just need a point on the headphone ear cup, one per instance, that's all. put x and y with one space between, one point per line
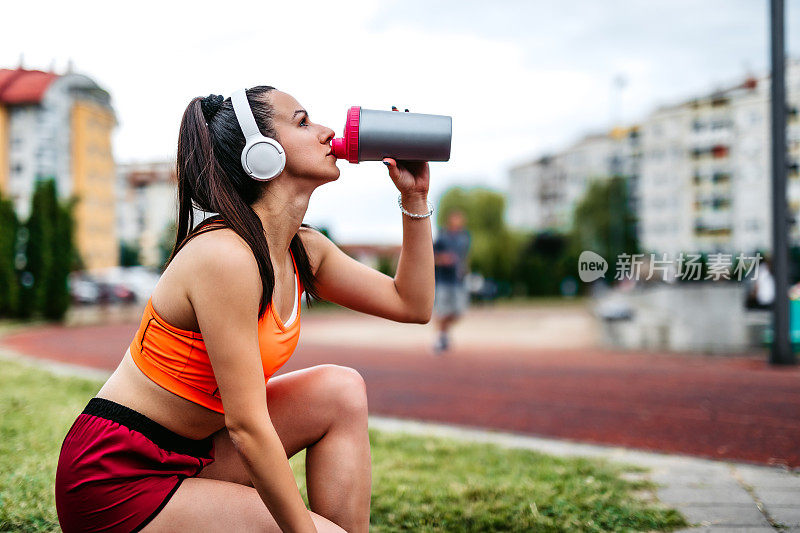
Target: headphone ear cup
264 160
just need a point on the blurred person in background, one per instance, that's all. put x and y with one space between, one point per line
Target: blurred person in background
192 432
452 295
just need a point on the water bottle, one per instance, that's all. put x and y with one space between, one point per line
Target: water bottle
371 135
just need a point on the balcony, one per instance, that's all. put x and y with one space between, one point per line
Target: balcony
719 101
702 229
716 151
720 203
714 216
710 132
793 170
719 151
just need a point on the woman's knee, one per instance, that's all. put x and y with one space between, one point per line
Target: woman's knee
345 388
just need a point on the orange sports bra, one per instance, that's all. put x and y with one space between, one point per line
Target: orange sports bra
177 360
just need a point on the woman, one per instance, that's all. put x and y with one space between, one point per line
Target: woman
188 434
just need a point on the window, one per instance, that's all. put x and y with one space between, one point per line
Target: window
657 130
753 225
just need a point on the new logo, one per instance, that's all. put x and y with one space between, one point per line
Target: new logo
591 266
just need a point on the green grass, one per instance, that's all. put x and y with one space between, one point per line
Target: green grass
36 410
418 484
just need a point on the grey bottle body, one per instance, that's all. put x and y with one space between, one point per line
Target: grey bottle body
403 136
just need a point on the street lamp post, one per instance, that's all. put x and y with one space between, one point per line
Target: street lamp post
781 353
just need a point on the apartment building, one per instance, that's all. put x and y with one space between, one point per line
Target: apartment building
58 126
147 206
699 172
706 173
543 193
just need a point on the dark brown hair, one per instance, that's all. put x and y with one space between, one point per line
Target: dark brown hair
211 178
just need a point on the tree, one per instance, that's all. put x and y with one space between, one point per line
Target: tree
604 222
129 254
9 288
38 251
50 254
166 242
545 262
386 266
65 260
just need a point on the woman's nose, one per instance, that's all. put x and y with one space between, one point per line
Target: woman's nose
327 134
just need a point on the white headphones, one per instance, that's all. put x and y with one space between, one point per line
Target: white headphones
262 158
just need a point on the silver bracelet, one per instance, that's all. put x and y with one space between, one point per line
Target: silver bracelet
414 215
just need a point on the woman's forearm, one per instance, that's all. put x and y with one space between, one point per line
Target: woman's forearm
414 278
265 460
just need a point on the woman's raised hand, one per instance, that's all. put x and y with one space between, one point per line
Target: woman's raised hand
410 177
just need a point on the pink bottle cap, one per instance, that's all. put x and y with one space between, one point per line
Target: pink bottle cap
347 147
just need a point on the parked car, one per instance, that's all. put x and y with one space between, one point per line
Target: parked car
84 291
87 290
114 292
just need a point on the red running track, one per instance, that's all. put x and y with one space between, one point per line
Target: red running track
722 408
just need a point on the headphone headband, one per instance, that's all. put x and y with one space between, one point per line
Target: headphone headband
244 114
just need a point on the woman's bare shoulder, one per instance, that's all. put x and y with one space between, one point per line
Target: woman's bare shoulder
219 247
209 241
219 257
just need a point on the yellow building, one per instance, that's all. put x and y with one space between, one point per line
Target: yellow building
59 127
3 149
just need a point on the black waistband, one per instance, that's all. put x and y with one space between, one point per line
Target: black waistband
161 436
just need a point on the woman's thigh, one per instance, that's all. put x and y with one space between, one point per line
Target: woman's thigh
211 505
302 406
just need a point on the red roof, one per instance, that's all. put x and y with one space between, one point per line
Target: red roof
22 86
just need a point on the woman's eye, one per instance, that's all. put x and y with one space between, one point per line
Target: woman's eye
304 121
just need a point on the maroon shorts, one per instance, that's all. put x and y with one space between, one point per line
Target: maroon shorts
118 468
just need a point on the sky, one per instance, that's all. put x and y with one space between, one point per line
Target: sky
519 78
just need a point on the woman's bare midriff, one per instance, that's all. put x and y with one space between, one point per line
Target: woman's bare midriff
130 387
